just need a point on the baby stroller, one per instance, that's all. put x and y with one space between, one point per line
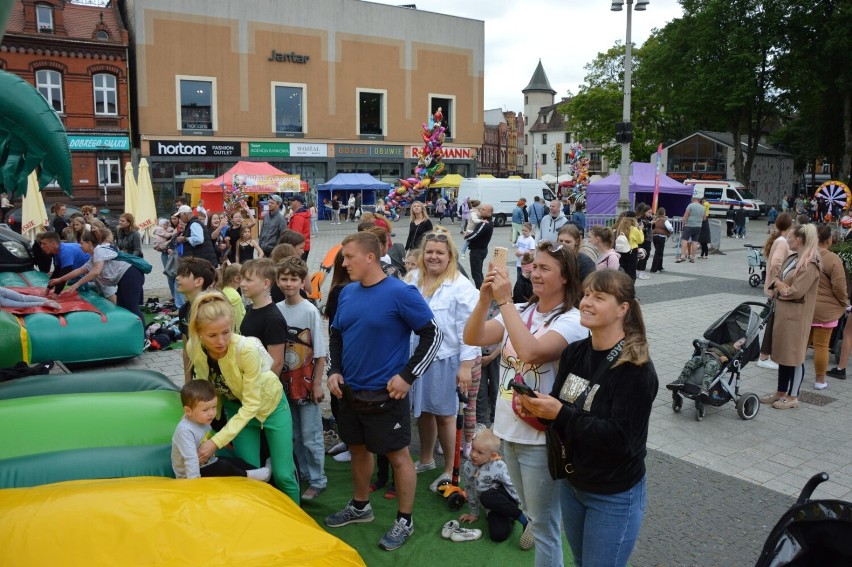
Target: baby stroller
756 262
811 532
741 323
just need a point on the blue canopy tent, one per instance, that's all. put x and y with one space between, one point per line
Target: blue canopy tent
602 195
343 184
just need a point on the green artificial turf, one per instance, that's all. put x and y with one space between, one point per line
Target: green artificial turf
425 547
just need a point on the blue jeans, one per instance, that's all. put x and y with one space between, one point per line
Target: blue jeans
602 528
308 447
539 496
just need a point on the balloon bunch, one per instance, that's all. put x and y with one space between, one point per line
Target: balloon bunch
234 197
429 162
578 165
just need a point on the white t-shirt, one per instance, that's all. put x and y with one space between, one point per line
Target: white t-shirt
525 244
539 377
306 341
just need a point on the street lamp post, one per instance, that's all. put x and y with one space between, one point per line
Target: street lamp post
624 131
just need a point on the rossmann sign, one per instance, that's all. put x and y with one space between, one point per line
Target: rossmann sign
449 153
172 148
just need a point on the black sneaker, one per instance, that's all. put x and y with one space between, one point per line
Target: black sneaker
674 386
839 373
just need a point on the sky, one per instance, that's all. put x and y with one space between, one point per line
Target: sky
517 36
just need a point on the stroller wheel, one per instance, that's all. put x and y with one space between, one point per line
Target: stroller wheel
754 280
677 403
748 405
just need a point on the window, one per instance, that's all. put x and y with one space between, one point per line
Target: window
288 109
526 99
44 18
543 159
102 35
196 103
526 139
567 137
544 138
49 84
447 104
109 171
106 94
371 112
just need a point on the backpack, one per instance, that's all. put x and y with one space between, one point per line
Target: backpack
622 244
141 263
265 357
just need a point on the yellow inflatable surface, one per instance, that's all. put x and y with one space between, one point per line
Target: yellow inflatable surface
159 521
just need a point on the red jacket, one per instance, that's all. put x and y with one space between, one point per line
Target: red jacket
300 221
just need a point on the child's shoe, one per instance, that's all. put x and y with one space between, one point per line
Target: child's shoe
464 534
391 492
449 528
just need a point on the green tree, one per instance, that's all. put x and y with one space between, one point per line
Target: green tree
714 69
815 83
597 107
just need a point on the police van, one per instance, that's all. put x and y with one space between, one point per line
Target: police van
722 194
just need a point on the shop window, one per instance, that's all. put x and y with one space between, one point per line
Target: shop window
49 84
196 103
447 103
106 94
371 113
109 171
288 112
44 18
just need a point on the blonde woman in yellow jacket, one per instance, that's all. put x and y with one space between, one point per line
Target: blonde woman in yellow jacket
250 393
628 226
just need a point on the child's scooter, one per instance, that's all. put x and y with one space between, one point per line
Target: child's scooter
456 497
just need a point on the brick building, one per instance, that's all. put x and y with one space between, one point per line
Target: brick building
75 54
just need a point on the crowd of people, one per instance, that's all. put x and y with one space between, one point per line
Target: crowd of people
555 368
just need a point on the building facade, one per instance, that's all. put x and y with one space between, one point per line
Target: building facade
710 155
76 55
319 88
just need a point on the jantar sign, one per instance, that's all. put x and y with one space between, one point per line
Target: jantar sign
200 149
291 57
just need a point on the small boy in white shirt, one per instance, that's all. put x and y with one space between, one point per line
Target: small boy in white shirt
524 244
471 222
199 401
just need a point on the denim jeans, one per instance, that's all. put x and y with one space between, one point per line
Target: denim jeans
314 227
539 496
602 528
308 447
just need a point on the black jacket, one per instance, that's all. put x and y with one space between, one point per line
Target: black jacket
481 236
204 250
606 426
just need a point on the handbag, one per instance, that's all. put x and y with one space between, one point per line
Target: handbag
170 268
558 456
530 420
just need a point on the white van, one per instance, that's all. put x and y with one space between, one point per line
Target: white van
503 194
722 194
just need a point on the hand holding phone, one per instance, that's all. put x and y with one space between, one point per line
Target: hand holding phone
522 388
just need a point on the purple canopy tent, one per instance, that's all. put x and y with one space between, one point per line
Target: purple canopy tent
602 195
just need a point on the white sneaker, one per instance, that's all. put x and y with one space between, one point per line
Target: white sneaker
768 364
643 276
820 385
449 528
343 457
464 534
444 478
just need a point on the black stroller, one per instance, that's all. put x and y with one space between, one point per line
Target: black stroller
741 323
811 532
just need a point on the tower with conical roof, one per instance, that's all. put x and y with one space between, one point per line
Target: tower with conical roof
537 94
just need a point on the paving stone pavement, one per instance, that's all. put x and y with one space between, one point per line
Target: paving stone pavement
715 487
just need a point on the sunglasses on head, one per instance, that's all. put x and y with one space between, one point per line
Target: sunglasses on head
440 236
549 246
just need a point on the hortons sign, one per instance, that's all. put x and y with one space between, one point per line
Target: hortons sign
172 148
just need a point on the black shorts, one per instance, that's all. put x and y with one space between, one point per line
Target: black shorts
383 432
690 233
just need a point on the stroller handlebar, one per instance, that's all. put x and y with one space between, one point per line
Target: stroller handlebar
809 488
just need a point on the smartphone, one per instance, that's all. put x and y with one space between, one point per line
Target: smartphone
522 388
